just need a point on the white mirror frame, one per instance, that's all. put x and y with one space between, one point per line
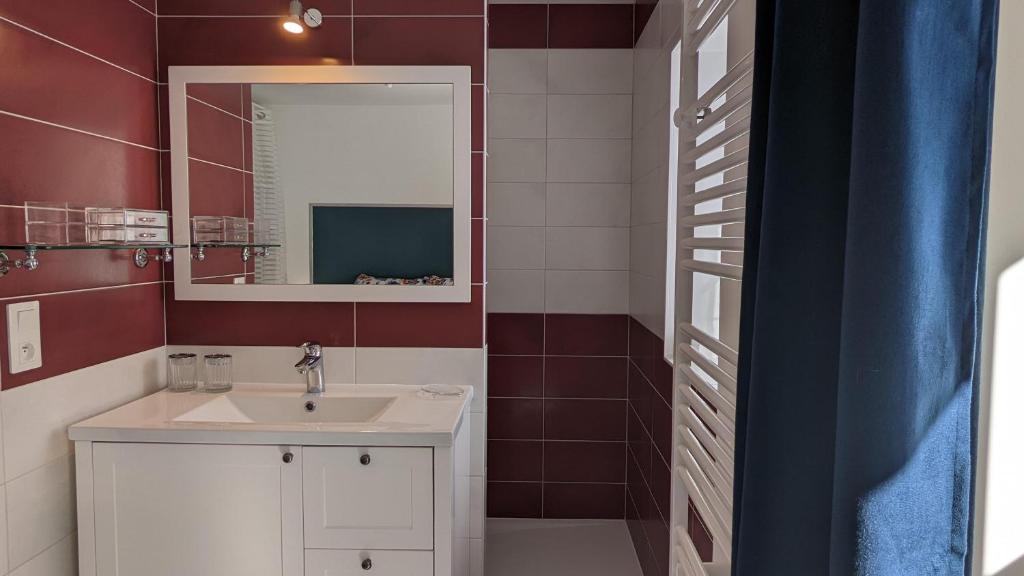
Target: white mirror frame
457 76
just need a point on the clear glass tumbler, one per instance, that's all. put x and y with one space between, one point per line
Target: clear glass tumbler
181 372
217 369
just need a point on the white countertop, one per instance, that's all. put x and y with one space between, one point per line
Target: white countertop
412 419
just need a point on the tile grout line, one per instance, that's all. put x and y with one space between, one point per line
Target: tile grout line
79 50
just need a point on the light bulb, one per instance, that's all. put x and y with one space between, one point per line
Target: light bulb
293 25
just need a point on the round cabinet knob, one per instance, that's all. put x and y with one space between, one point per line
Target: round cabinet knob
288 457
367 564
364 459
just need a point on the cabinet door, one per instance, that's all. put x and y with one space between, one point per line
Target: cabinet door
367 498
375 563
200 510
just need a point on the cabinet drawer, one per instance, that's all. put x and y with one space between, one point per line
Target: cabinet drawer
368 498
378 563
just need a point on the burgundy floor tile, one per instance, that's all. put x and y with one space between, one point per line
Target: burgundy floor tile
434 41
513 499
246 7
147 4
639 445
45 80
586 334
92 171
518 26
661 429
215 190
227 97
642 11
583 462
515 419
641 397
258 323
585 420
515 333
514 460
250 41
165 187
584 501
113 30
478 121
512 376
99 332
445 325
478 185
419 7
582 377
641 546
214 136
590 26
660 483
477 252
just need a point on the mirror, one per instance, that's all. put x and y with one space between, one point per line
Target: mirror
349 190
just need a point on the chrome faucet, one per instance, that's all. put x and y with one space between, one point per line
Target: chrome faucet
312 365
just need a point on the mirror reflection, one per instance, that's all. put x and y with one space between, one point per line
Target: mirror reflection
322 183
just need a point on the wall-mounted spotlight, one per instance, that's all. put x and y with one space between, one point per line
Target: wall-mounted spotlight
298 19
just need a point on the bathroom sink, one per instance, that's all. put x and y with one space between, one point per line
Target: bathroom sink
259 408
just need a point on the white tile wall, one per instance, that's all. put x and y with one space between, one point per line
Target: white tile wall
517 116
590 71
517 72
579 248
516 160
589 116
516 291
648 207
577 204
589 160
516 204
587 292
563 246
37 503
515 248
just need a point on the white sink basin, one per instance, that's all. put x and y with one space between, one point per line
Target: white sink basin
261 408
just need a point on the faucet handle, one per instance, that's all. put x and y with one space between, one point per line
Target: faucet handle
311 348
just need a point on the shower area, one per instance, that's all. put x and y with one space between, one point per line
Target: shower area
615 200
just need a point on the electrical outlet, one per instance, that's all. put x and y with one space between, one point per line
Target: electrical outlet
25 350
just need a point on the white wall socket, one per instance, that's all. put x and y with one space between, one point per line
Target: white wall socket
25 349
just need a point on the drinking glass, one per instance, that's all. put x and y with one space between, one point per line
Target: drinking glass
181 372
217 369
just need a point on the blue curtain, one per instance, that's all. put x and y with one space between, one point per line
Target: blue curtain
858 374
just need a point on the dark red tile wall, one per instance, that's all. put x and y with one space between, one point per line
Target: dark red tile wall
649 441
220 170
78 123
556 25
370 32
557 408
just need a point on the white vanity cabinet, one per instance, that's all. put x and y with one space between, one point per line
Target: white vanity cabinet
173 509
157 497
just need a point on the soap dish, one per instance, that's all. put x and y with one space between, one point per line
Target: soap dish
441 391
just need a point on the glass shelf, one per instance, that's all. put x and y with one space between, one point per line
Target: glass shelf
108 246
233 245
